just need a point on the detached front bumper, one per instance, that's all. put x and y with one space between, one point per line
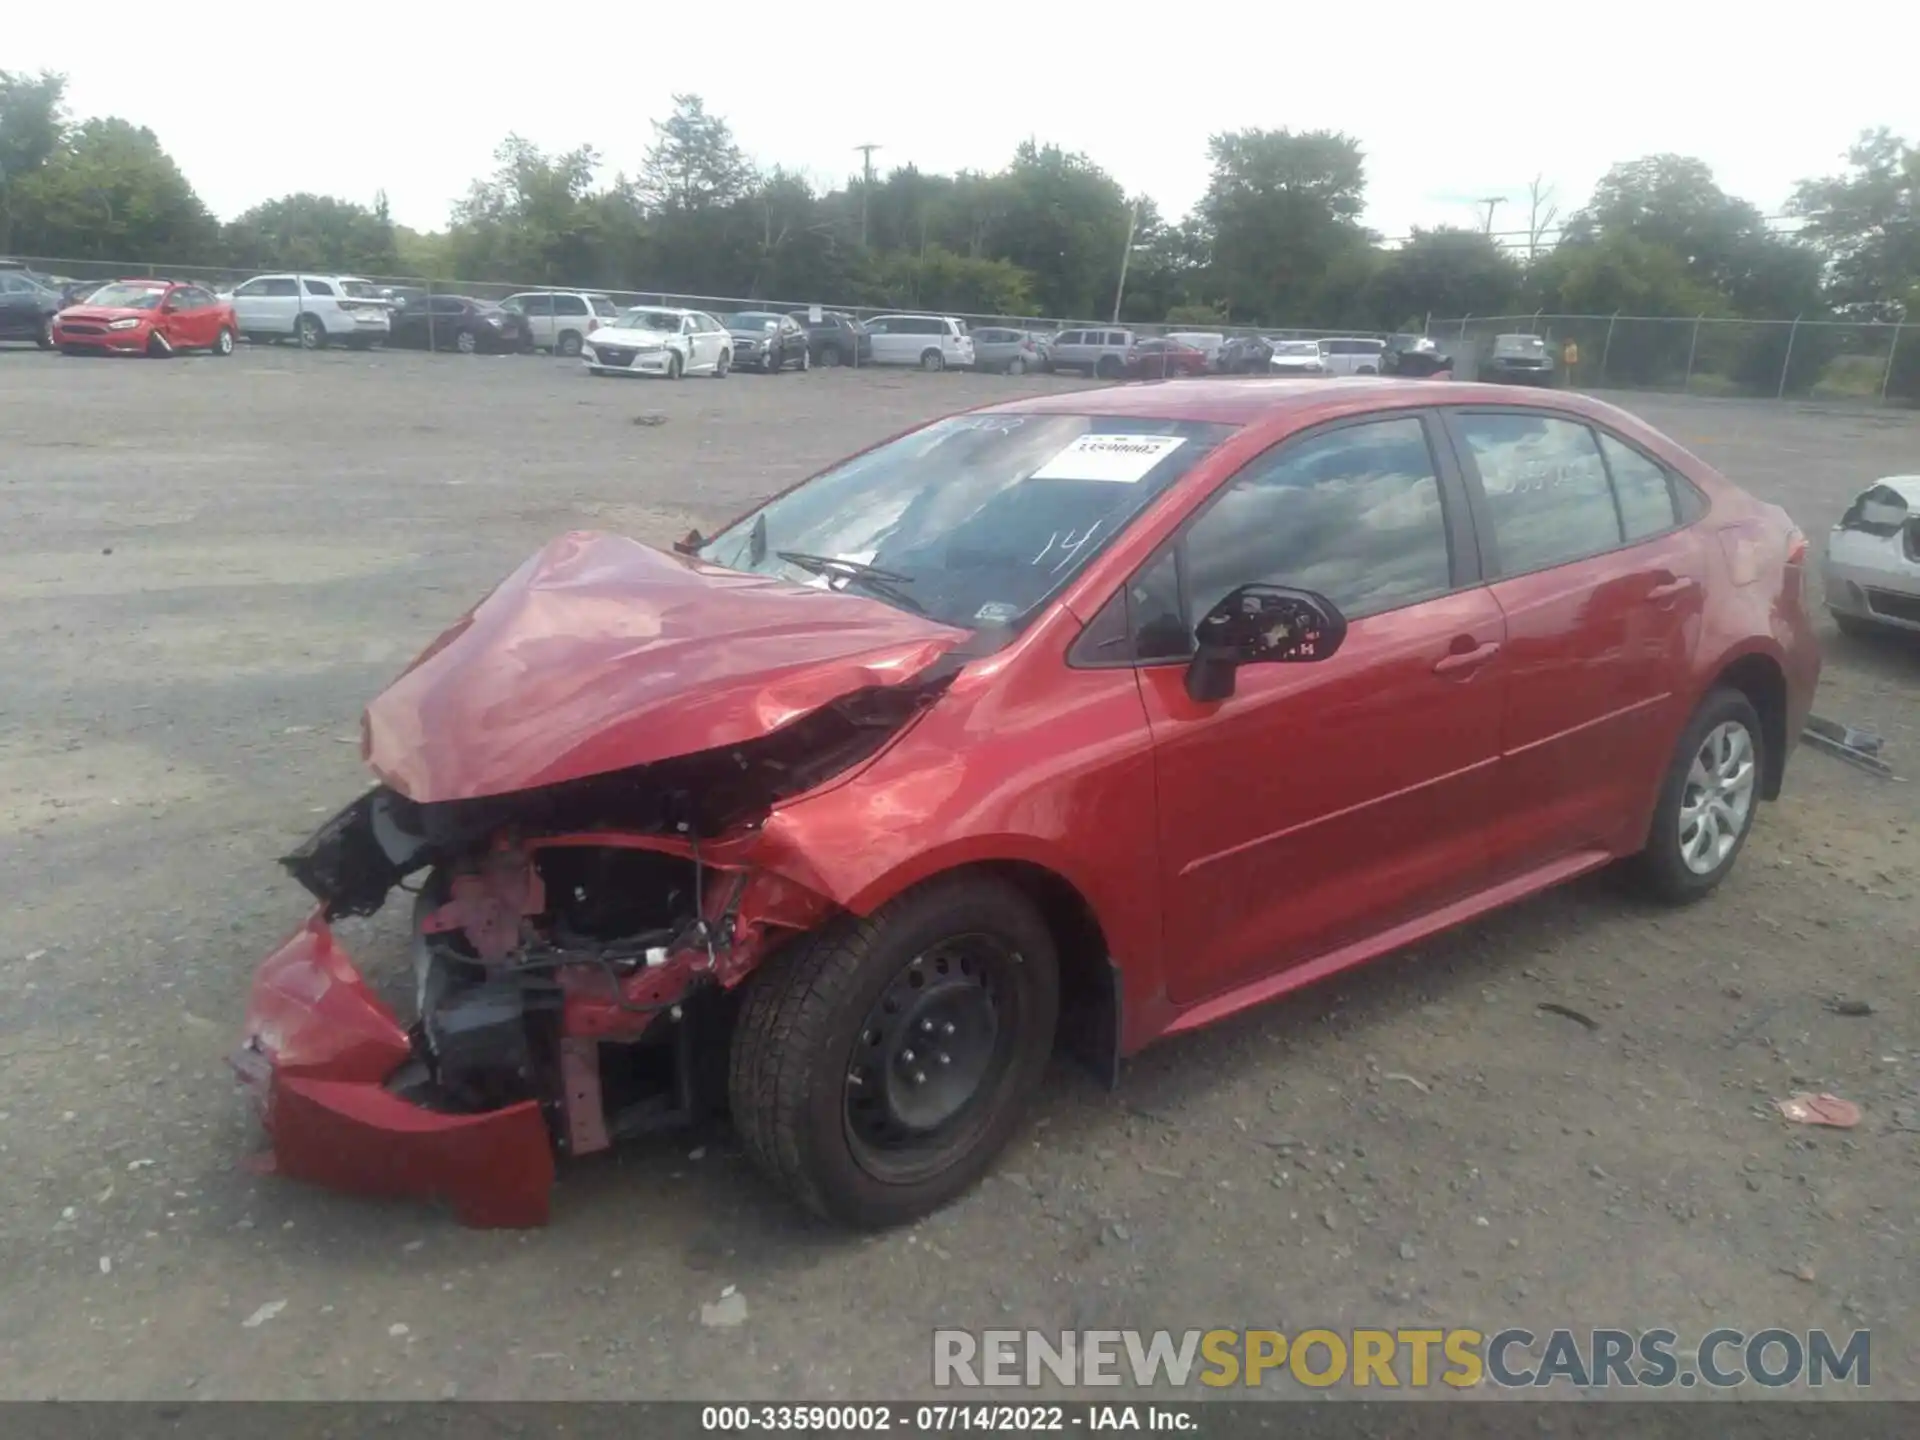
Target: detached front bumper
318 1053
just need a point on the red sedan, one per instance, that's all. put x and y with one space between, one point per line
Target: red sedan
1164 359
146 317
1075 721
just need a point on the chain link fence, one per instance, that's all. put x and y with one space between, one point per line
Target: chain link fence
1825 360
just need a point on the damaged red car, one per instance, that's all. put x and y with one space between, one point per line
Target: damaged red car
1064 724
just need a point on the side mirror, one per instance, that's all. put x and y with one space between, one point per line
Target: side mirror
1260 624
689 544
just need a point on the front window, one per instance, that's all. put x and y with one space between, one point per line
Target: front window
129 297
637 319
973 520
1303 349
750 320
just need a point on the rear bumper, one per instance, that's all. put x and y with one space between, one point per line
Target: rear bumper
317 1053
1869 576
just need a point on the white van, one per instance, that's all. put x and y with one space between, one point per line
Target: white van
1352 357
933 342
315 310
560 320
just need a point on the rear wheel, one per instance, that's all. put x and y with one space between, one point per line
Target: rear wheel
932 360
1707 801
880 1064
1107 368
466 342
1017 365
568 344
311 334
223 342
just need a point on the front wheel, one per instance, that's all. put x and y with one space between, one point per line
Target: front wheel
1017 366
223 342
880 1064
1707 801
722 364
45 338
674 370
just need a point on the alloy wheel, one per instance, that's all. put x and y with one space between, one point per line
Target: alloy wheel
1716 805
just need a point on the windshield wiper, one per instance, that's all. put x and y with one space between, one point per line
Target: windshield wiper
882 582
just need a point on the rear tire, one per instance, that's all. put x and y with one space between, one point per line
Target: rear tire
1707 802
931 360
223 343
568 344
1107 368
829 1098
310 333
466 342
1017 366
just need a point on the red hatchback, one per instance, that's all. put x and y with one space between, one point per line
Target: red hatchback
146 317
1075 721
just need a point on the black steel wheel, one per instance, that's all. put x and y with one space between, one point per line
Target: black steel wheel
880 1064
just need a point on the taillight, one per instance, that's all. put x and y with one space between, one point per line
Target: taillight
592 324
1796 546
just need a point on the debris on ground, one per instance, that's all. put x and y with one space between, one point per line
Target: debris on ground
1823 1109
726 1313
1845 742
1567 1012
1420 1085
650 417
265 1313
1853 1009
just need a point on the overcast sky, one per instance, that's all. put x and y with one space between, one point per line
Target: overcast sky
1450 101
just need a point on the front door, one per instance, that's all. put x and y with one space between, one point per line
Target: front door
1602 591
1323 803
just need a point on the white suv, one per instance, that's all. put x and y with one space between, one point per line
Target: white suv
314 310
933 342
560 320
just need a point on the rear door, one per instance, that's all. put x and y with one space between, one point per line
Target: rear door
573 321
1602 587
1323 803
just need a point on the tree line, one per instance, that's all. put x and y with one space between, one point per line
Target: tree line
1276 239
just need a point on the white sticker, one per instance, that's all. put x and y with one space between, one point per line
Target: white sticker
1124 459
996 612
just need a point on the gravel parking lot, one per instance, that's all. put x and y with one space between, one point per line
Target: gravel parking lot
208 566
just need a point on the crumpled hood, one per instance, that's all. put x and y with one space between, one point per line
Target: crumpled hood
601 653
106 312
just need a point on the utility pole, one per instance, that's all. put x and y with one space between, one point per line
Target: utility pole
866 184
1490 201
1133 223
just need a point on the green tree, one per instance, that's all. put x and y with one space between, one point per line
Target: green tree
33 126
314 232
533 221
936 278
109 192
694 163
1865 224
1063 220
1444 271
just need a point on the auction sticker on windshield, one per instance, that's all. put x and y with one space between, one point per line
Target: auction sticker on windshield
1124 459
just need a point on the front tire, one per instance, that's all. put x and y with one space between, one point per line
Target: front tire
722 363
1017 366
880 1064
674 369
1707 801
45 338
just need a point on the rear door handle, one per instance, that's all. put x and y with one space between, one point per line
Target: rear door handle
1461 660
1670 589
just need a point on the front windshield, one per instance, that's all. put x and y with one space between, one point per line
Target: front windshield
1298 347
649 320
750 320
975 520
128 297
1520 344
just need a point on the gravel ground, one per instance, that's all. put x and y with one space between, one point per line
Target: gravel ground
207 567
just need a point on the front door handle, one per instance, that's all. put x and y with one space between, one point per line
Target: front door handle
1462 660
1671 589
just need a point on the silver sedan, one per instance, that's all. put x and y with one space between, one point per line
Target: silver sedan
1872 568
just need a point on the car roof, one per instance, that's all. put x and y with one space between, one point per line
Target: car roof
1277 401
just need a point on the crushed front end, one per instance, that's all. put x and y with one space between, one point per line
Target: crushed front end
575 950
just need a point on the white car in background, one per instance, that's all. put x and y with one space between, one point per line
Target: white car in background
561 320
659 340
933 342
313 310
1296 357
1872 571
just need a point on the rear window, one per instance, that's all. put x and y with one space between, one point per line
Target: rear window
1519 345
604 308
317 287
359 290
